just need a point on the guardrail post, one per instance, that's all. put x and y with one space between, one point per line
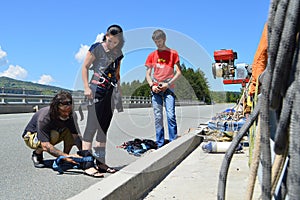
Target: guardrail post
24 99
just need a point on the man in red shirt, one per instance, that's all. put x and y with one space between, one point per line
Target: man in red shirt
164 61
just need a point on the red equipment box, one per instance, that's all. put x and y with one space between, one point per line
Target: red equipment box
224 55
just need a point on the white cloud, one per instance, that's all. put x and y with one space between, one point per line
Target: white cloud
80 55
3 59
45 79
15 72
99 37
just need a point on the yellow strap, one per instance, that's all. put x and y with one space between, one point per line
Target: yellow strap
256 92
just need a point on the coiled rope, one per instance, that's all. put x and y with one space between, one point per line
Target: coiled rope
281 83
255 163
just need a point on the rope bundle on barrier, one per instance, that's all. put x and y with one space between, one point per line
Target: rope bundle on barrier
280 94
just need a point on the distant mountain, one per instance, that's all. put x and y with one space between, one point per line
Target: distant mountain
10 85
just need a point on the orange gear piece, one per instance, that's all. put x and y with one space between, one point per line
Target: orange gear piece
260 59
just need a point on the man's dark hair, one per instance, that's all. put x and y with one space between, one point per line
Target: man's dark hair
159 34
59 98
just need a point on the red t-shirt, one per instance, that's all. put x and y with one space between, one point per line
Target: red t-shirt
163 63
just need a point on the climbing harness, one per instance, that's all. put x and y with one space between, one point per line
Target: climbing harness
103 82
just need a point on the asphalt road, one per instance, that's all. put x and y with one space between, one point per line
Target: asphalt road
20 180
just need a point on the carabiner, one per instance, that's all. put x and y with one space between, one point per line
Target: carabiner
101 80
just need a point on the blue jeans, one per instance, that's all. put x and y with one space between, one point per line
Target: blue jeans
168 98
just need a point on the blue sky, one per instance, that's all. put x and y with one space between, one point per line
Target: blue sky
46 41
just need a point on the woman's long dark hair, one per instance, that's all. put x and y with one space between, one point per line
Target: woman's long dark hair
57 99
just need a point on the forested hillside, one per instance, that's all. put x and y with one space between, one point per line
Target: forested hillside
10 85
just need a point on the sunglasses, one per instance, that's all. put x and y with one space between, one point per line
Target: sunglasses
65 103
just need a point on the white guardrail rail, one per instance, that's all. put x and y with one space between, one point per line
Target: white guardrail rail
20 103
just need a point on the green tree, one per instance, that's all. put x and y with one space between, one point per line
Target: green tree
142 90
198 83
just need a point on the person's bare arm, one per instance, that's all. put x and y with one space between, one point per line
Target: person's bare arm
148 76
177 74
85 74
154 88
48 147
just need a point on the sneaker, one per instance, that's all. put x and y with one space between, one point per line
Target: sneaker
37 160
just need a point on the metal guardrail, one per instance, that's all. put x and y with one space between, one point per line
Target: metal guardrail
22 103
24 99
45 99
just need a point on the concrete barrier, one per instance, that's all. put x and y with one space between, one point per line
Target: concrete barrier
137 179
20 108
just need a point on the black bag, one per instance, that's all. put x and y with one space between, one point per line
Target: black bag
137 146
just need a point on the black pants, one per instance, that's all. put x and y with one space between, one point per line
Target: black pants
99 117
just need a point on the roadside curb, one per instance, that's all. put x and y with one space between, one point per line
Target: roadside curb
138 178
